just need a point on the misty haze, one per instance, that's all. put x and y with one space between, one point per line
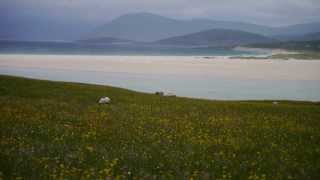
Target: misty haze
170 89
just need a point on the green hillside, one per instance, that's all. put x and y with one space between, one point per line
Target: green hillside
217 38
52 130
292 45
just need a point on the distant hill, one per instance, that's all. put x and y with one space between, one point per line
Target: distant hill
137 27
105 40
150 27
297 30
305 37
217 38
293 45
310 37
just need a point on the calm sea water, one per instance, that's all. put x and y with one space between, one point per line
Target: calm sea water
187 86
11 47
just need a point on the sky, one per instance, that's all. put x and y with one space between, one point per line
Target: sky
264 12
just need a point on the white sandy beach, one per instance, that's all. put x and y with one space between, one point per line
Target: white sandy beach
175 65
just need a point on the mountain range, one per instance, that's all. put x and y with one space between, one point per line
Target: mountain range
304 37
217 38
152 28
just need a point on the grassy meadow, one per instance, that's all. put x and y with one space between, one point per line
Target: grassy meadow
57 130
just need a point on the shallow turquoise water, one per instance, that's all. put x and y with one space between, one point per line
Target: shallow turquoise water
8 47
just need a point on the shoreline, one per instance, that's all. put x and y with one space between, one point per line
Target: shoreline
196 77
263 50
254 53
171 65
154 93
277 54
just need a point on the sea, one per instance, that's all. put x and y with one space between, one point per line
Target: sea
204 87
74 48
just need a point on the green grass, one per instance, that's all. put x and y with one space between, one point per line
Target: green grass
291 45
297 55
303 50
52 130
303 55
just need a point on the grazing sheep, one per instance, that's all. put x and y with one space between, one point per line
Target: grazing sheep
169 94
104 100
159 93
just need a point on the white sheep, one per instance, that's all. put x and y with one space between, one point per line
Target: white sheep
104 100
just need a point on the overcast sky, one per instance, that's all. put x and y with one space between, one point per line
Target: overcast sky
265 12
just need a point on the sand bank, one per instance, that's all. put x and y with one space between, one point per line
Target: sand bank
175 65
